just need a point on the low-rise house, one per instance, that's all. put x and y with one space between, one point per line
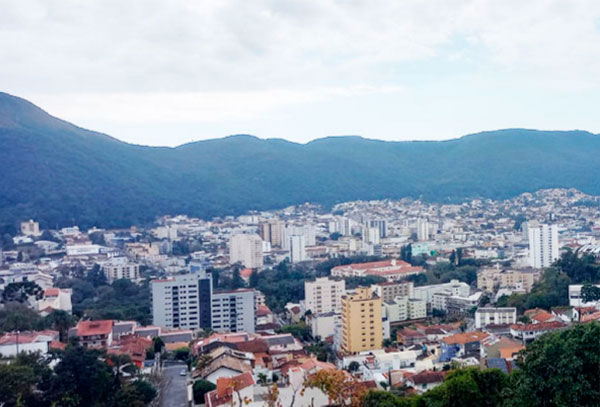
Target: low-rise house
14 343
235 390
528 332
409 337
94 334
425 380
464 345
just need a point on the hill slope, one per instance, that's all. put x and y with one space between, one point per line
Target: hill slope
61 174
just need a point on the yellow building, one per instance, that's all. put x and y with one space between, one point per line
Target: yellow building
361 321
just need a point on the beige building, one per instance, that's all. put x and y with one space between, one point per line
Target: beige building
323 295
491 278
120 268
30 228
387 291
246 249
271 232
361 321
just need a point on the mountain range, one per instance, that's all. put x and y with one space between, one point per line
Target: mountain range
61 174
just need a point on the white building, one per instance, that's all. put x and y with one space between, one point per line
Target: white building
323 325
55 299
308 231
246 249
182 301
488 315
453 288
575 299
233 311
30 228
13 343
121 268
422 230
324 295
297 247
543 244
404 308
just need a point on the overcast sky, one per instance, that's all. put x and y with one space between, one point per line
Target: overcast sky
164 72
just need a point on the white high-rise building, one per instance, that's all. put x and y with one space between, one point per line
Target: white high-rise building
234 311
182 301
370 235
422 230
324 295
246 249
308 231
297 248
543 245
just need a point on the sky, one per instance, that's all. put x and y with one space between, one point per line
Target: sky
168 72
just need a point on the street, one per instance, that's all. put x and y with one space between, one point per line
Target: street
174 393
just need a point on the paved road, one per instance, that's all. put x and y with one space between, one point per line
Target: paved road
175 391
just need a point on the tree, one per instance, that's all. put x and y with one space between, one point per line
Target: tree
254 279
378 398
236 279
341 388
159 344
20 292
559 369
200 388
299 330
353 366
590 293
60 321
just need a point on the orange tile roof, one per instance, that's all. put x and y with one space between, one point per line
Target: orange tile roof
465 337
507 353
88 328
226 385
542 326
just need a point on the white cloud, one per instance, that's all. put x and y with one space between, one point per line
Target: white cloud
209 61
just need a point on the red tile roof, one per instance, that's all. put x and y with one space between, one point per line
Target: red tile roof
225 386
465 337
427 377
542 326
88 328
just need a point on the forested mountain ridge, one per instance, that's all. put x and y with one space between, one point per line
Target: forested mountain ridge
61 174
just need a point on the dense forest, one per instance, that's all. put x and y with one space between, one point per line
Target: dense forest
61 174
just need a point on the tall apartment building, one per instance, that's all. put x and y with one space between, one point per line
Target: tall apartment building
387 291
121 268
370 235
543 244
422 230
324 295
271 232
182 301
234 311
297 248
246 249
308 231
380 225
362 328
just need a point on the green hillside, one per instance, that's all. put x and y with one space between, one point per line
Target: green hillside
61 174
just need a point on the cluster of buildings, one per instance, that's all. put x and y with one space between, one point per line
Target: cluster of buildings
397 331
